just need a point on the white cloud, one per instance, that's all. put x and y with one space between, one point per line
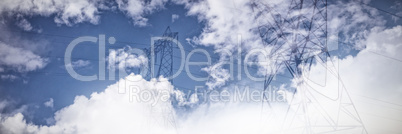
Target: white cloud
80 63
175 17
354 21
126 58
8 77
111 112
49 103
17 125
226 19
70 12
136 9
218 76
9 107
374 73
377 64
19 55
24 24
397 6
67 12
20 60
106 112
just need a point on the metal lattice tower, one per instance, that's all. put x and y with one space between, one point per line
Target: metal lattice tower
161 52
163 56
298 37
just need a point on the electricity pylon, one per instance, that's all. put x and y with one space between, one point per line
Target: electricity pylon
297 35
162 53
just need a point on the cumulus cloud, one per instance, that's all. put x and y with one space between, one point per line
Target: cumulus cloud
377 64
109 111
20 60
106 112
373 73
126 58
112 112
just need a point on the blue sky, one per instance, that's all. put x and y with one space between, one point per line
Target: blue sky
365 42
56 83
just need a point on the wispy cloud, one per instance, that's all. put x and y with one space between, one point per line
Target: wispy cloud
80 64
175 17
19 59
8 77
49 103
